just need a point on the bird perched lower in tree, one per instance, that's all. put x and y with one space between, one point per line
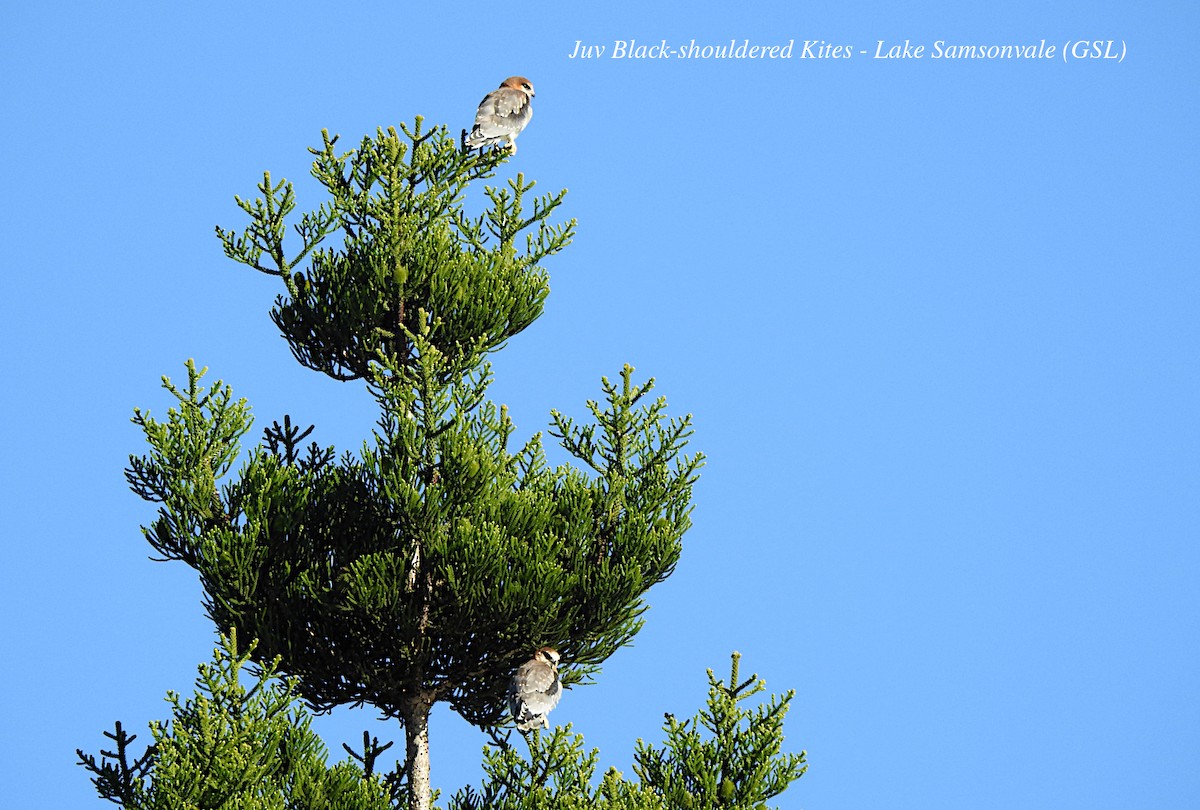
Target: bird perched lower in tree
503 114
535 689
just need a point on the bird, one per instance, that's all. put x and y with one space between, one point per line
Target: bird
502 115
535 689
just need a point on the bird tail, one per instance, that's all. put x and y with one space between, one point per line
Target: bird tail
476 140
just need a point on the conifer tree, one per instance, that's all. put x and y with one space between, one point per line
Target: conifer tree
429 564
727 757
233 747
253 749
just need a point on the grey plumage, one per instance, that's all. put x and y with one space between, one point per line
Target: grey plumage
535 689
503 114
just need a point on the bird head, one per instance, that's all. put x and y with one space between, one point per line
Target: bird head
519 83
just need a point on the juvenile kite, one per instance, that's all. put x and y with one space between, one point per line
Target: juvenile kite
502 115
535 690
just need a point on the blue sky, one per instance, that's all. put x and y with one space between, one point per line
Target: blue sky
936 321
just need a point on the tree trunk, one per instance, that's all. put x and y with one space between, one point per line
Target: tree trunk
416 737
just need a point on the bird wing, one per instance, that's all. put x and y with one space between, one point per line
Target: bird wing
503 111
538 686
507 102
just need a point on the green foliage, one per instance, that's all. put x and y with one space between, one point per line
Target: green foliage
427 566
231 747
410 260
492 551
738 764
557 775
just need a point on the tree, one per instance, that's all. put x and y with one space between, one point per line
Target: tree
726 756
427 566
737 762
253 749
232 747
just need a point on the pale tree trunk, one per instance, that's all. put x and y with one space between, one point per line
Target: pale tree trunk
416 736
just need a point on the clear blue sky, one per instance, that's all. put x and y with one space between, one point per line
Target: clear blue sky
936 320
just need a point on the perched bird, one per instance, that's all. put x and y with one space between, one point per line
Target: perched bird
502 114
535 690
